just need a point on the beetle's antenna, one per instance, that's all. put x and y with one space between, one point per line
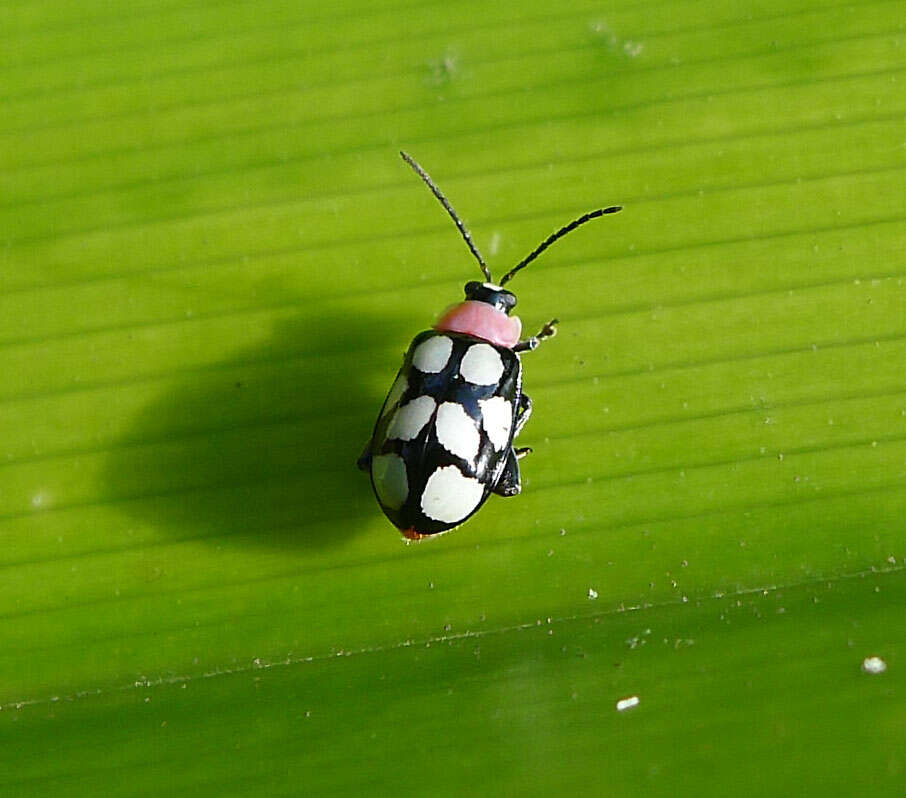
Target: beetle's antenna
554 236
445 202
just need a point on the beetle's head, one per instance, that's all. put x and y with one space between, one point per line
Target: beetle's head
499 298
486 310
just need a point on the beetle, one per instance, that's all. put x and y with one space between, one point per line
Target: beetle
443 441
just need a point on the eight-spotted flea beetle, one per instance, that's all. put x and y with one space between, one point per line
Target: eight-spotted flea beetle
443 441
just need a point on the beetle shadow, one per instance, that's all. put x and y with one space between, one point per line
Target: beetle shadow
261 448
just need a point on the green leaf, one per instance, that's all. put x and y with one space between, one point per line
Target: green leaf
212 259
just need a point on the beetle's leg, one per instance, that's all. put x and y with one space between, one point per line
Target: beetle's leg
523 411
364 461
510 483
549 330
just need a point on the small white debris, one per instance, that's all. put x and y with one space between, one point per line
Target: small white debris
633 49
627 703
873 665
592 593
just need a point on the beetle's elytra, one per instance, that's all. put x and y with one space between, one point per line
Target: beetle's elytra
443 441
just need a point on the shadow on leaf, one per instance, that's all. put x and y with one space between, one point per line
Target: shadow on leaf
261 448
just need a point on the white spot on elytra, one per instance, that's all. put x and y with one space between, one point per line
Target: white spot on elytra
481 365
457 431
450 496
389 474
497 419
411 418
432 355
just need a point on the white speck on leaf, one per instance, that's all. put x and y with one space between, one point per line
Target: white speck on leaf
627 703
873 665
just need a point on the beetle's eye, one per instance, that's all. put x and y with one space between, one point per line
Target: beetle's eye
473 290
